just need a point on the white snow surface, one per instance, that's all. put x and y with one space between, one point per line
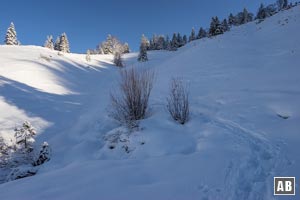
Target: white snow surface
235 143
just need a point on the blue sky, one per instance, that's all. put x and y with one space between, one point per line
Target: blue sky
87 22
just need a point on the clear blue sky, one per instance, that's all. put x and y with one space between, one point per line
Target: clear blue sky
87 22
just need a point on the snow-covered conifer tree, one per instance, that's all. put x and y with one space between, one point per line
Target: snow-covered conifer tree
106 46
64 43
11 35
184 39
152 43
193 35
232 20
225 25
49 42
215 27
167 45
102 48
271 9
143 57
25 136
201 34
212 27
179 40
244 17
56 44
88 56
160 42
126 48
44 155
4 153
261 13
2 145
112 45
282 4
174 42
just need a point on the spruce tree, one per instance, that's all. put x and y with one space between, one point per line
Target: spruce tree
152 43
271 10
245 16
44 155
212 27
225 25
231 20
157 42
11 35
160 42
174 42
285 4
215 27
143 57
193 35
282 4
24 148
64 43
126 48
4 153
57 44
167 45
49 42
179 40
261 13
108 45
3 145
184 39
201 34
112 45
25 136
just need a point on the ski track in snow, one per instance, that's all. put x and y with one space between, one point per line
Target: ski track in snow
251 176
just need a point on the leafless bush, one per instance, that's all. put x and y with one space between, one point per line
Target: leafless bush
45 57
178 101
118 59
132 102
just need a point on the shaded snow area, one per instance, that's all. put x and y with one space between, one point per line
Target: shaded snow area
243 130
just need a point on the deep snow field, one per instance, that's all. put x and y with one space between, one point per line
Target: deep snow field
233 146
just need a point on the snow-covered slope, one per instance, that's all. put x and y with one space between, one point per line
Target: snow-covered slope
233 146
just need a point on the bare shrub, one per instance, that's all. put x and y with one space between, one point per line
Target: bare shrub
178 101
118 59
45 57
131 104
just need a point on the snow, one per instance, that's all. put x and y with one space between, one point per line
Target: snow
235 143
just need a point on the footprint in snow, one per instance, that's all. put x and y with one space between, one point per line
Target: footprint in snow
283 116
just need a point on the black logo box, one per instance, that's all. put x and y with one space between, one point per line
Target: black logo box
283 181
